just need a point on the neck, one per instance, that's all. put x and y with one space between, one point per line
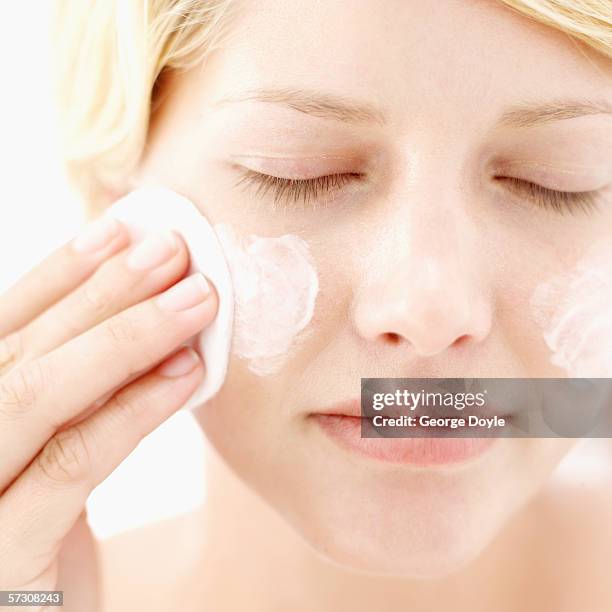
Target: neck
252 559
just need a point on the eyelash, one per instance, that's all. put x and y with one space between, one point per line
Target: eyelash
292 190
558 201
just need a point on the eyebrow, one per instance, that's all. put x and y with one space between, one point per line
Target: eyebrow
527 115
348 110
316 104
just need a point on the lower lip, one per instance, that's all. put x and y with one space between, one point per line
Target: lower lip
413 451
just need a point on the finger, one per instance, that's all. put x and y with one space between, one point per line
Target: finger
58 274
45 501
40 395
130 277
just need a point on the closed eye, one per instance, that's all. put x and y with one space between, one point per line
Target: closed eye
306 191
309 191
558 201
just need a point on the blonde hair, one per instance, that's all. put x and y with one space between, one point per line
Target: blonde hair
110 54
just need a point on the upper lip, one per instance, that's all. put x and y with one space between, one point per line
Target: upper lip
352 408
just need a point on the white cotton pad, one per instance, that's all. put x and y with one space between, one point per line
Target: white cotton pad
156 209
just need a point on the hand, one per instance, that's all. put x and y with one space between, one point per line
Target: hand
81 340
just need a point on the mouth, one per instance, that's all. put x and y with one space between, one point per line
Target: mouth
423 446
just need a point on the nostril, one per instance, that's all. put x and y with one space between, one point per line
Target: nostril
459 342
391 337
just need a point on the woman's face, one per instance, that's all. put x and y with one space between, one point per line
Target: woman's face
426 252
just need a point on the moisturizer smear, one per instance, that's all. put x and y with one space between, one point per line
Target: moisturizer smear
575 313
275 289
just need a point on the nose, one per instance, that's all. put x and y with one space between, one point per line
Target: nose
430 296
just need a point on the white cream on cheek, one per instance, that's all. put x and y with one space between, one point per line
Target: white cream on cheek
275 289
575 313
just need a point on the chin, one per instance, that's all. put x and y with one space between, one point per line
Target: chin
403 525
372 516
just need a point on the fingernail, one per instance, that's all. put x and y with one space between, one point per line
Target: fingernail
179 364
152 251
96 235
190 292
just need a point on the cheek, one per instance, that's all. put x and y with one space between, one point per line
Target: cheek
575 317
275 290
539 274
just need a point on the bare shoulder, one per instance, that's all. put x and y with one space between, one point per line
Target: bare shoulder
575 520
582 508
144 569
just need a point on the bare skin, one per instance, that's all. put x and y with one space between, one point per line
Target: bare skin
426 266
551 557
427 251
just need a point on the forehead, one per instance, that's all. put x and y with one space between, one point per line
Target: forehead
407 54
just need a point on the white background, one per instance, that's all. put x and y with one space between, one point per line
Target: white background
37 213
